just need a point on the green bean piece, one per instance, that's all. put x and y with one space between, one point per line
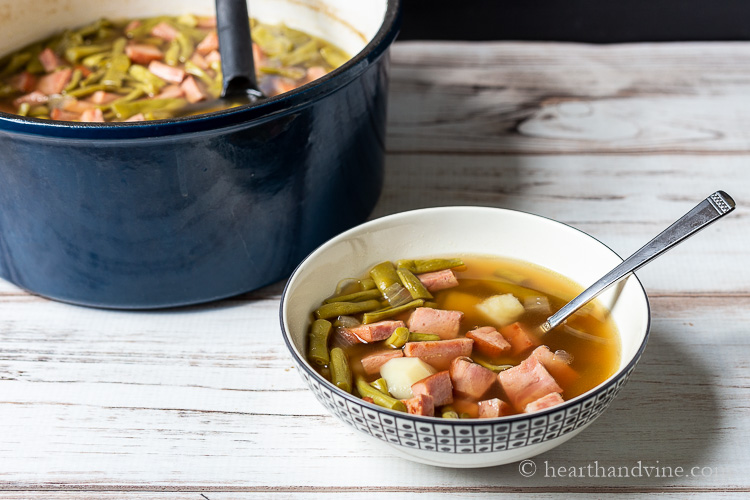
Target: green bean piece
7 90
93 28
39 111
412 283
384 275
271 44
389 312
75 79
490 366
145 27
95 60
23 109
380 399
192 69
398 338
76 53
301 54
88 90
289 72
431 265
423 337
333 56
118 66
317 342
354 297
406 263
449 412
381 385
16 62
35 65
367 284
186 46
124 110
464 415
341 374
345 308
430 304
152 82
93 78
172 54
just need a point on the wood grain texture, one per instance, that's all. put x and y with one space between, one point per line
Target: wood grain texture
205 400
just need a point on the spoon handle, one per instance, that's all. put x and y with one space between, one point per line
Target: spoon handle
235 43
712 208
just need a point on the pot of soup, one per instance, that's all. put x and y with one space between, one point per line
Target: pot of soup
123 186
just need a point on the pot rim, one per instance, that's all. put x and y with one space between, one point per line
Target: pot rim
259 111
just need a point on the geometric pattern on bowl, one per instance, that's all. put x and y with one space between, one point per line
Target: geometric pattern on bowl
465 436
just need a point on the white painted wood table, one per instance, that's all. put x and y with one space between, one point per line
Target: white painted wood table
618 141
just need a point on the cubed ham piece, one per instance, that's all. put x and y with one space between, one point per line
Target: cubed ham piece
141 53
207 22
438 386
556 364
49 60
520 339
35 97
24 82
463 405
102 97
492 408
374 332
259 57
438 280
76 106
193 91
62 115
548 401
527 382
489 341
275 85
372 362
138 117
54 83
436 321
166 72
423 404
170 92
470 379
132 25
439 353
214 56
199 61
92 115
314 72
209 43
164 31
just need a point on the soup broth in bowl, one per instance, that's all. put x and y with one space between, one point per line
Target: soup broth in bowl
500 250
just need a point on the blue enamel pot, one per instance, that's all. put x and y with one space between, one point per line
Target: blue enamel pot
189 210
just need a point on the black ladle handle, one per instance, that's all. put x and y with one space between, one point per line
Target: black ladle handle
235 43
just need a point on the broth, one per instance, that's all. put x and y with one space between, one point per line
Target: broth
589 336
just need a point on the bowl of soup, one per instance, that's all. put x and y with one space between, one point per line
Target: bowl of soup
422 331
125 186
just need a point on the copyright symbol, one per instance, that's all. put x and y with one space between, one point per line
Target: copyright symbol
527 468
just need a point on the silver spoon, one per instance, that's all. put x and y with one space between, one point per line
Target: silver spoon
709 210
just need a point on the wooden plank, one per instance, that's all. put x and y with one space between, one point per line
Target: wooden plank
543 98
210 399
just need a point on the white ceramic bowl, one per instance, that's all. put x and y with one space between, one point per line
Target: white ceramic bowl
456 231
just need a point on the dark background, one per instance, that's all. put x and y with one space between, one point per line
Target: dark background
594 21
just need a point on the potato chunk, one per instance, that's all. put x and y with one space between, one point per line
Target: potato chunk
402 373
502 310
